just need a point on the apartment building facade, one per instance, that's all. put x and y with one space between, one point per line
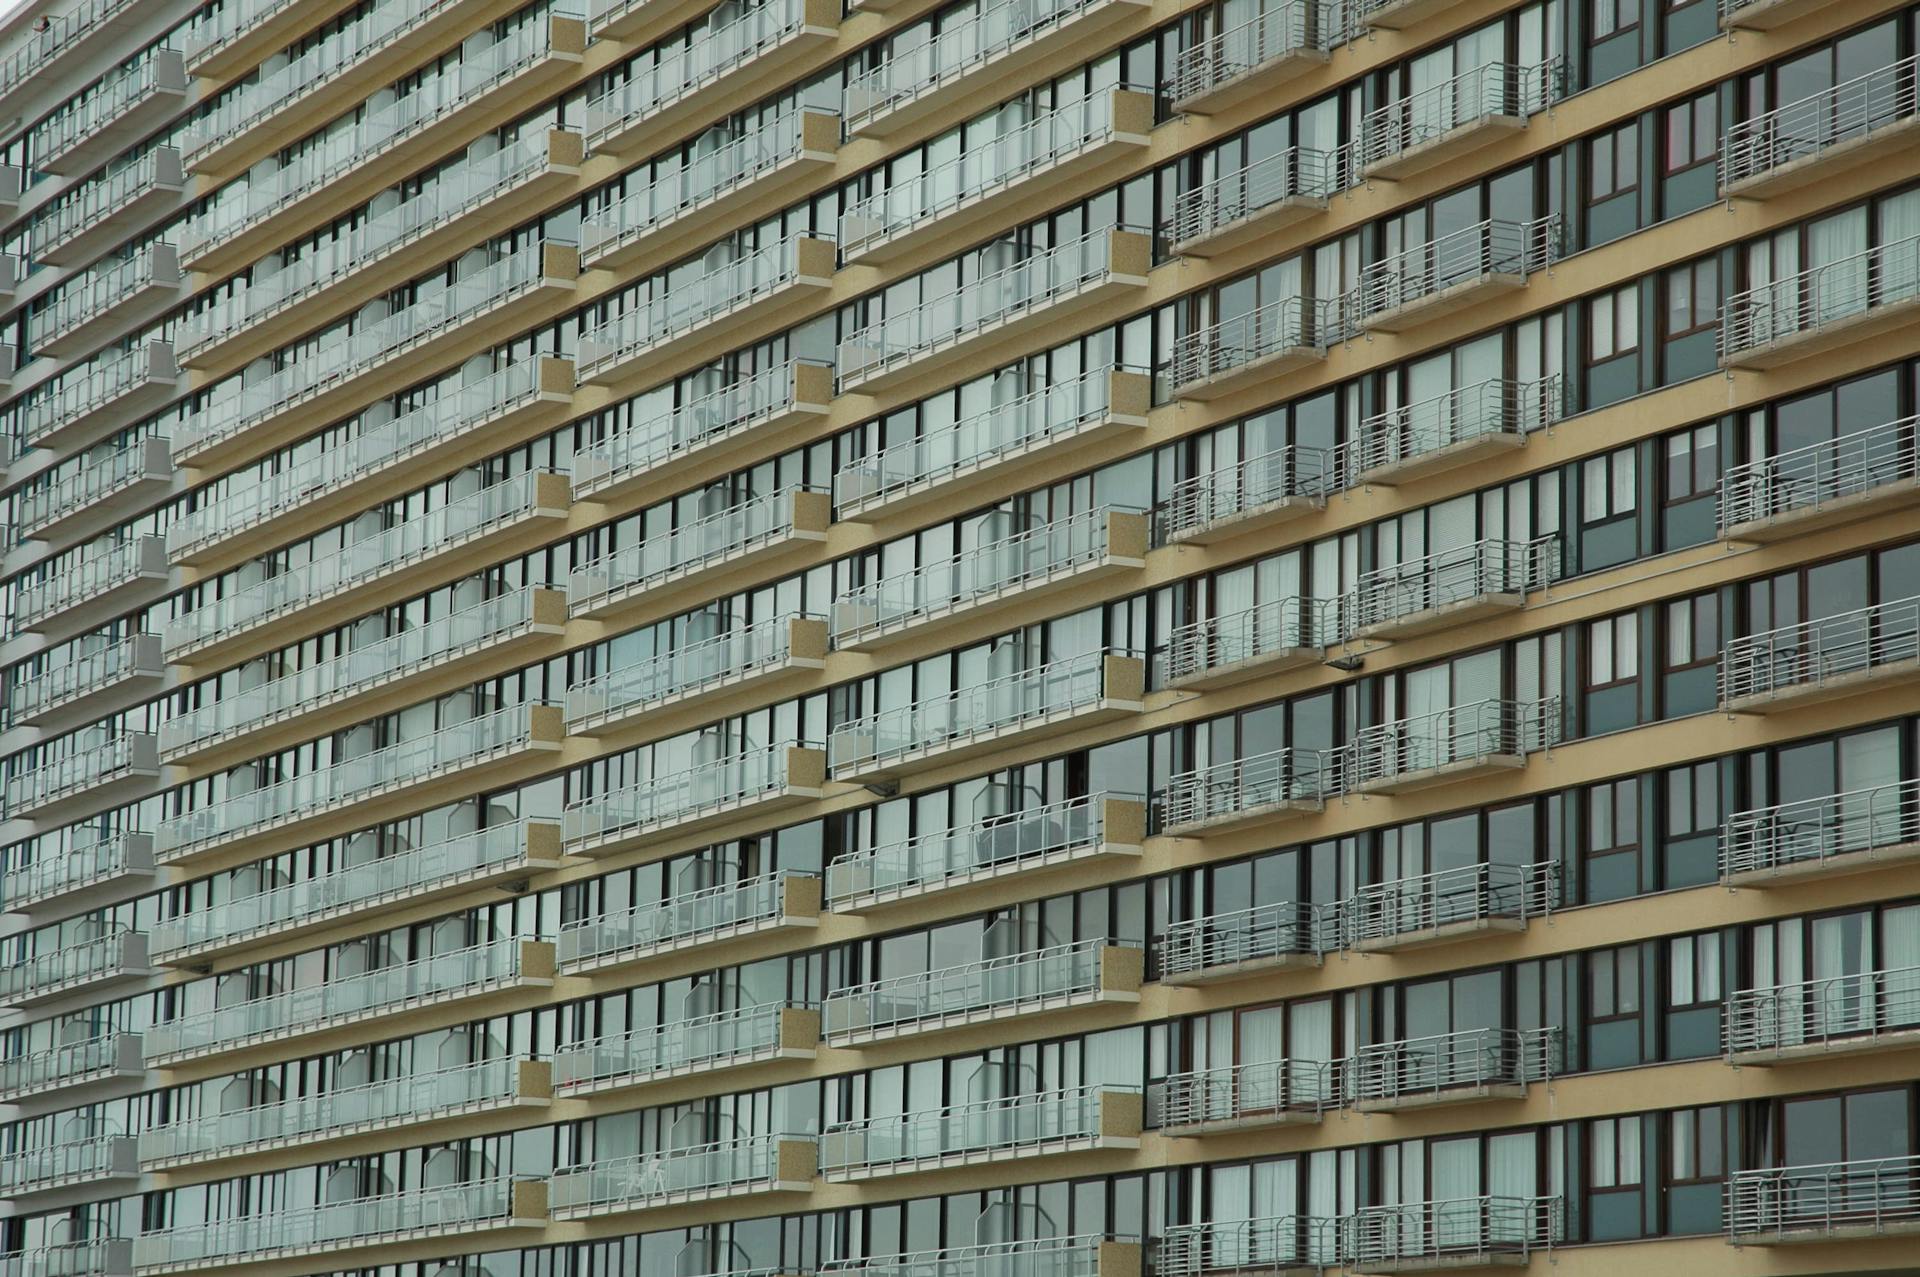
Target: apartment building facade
1025 638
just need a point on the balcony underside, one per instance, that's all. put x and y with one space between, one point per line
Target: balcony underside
1444 616
1455 144
1265 665
1769 15
1444 774
1438 934
1241 969
1900 494
1472 1094
1244 818
1457 296
1834 687
1264 80
1399 15
1257 226
1249 375
1485 447
1069 1002
994 741
1865 1227
1064 581
1828 1048
1896 137
1267 514
1889 317
1811 868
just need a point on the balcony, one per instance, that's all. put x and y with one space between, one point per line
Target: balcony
752 783
1081 1255
1848 654
109 300
1046 559
108 862
995 308
1075 1120
1467 426
1264 640
1862 1013
1823 309
1447 905
343 370
1276 1246
407 876
1853 476
742 540
785 900
708 75
101 397
1826 837
384 565
74 502
411 776
752 176
1401 15
987 849
416 994
241 33
702 1046
91 587
77 28
635 23
1241 793
1461 742
1763 15
1288 935
740 294
384 460
1253 349
1256 494
463 1212
1245 1097
1467 1232
1256 58
282 201
1839 1201
109 210
1049 981
131 102
976 58
780 652
110 958
1864 120
85 779
962 196
407 1103
1461 269
95 1257
89 1162
995 716
1450 588
1446 122
749 1166
1253 204
1462 1067
55 1074
649 455
77 687
336 692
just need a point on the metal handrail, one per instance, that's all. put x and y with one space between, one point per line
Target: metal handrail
988 844
1297 172
118 948
679 919
47 1070
91 1257
1457 734
1491 1224
1275 1243
1818 296
1277 32
84 761
1496 406
1223 493
1278 625
1821 474
1491 247
1819 121
1023 1124
1240 784
1482 92
1449 1061
684 669
1291 323
81 670
1813 652
1274 930
1447 897
680 66
1244 1092
1071 1256
1815 829
639 1178
55 870
96 1155
1491 565
650 560
697 1044
1864 1196
662 801
646 442
1861 1008
1055 971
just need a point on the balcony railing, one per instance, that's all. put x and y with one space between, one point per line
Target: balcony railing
1035 980
71 490
1457 899
723 1168
82 672
1469 1060
1262 935
1459 736
104 122
361 888
115 954
1290 324
983 848
1495 408
690 918
1834 472
103 290
1032 1124
1819 123
1872 1197
1242 786
406 1100
1296 173
55 872
700 1045
1814 654
1448 1234
57 235
690 669
82 1161
1247 1094
94 1257
1493 90
704 789
1451 578
1284 31
1820 298
443 751
113 384
1229 493
1494 247
1811 834
37 1074
447 1210
67 30
1270 629
1078 1255
1858 1011
342 999
650 562
1272 1244
76 773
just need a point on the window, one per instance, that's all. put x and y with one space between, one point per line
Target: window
1613 984
1610 17
1613 817
1613 650
1693 632
1613 163
1693 801
1692 134
1693 971
1693 463
1697 1146
1607 484
1616 1152
1613 321
1693 297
